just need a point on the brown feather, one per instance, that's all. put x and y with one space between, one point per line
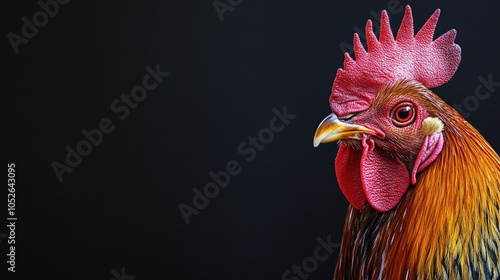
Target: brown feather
447 224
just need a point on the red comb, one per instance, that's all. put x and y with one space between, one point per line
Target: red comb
407 57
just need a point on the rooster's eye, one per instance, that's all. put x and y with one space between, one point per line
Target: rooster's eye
403 114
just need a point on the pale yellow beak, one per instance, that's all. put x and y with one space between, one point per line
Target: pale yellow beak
332 129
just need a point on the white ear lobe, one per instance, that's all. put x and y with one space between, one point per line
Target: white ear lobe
431 125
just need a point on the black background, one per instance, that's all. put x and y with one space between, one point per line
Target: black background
119 207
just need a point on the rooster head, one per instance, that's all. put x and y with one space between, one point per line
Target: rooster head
383 112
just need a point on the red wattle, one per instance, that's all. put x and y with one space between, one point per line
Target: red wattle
372 176
347 166
385 179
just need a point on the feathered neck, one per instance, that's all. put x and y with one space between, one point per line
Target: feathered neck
446 224
454 203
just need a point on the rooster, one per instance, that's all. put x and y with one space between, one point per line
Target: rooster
422 183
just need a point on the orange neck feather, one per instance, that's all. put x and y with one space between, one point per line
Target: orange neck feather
453 210
446 223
